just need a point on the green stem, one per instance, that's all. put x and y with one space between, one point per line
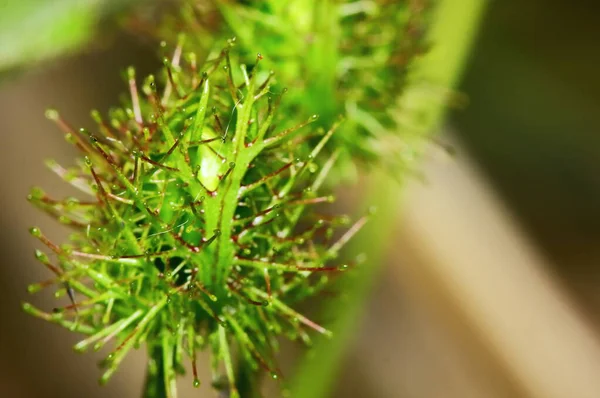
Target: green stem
247 380
453 28
154 385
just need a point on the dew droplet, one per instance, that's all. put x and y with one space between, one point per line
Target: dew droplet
37 193
71 202
196 383
52 114
35 231
314 117
361 258
33 288
70 138
80 347
345 220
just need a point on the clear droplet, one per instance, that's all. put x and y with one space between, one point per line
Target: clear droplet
33 288
52 114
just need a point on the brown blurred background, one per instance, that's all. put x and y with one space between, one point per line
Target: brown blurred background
492 284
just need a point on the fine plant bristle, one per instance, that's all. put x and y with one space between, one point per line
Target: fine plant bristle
198 229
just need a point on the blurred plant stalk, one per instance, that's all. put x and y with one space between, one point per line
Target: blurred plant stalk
454 27
471 263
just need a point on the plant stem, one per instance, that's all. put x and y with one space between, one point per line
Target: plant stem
453 28
154 385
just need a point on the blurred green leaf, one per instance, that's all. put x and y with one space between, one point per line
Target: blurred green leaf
34 30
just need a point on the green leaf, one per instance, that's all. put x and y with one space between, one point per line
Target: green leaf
34 30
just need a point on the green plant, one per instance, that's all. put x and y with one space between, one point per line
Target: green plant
200 235
203 233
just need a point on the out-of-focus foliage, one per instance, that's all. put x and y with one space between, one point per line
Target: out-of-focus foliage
34 30
349 58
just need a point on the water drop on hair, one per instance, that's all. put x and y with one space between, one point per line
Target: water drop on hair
51 114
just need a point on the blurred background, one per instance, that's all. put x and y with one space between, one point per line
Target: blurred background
491 284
